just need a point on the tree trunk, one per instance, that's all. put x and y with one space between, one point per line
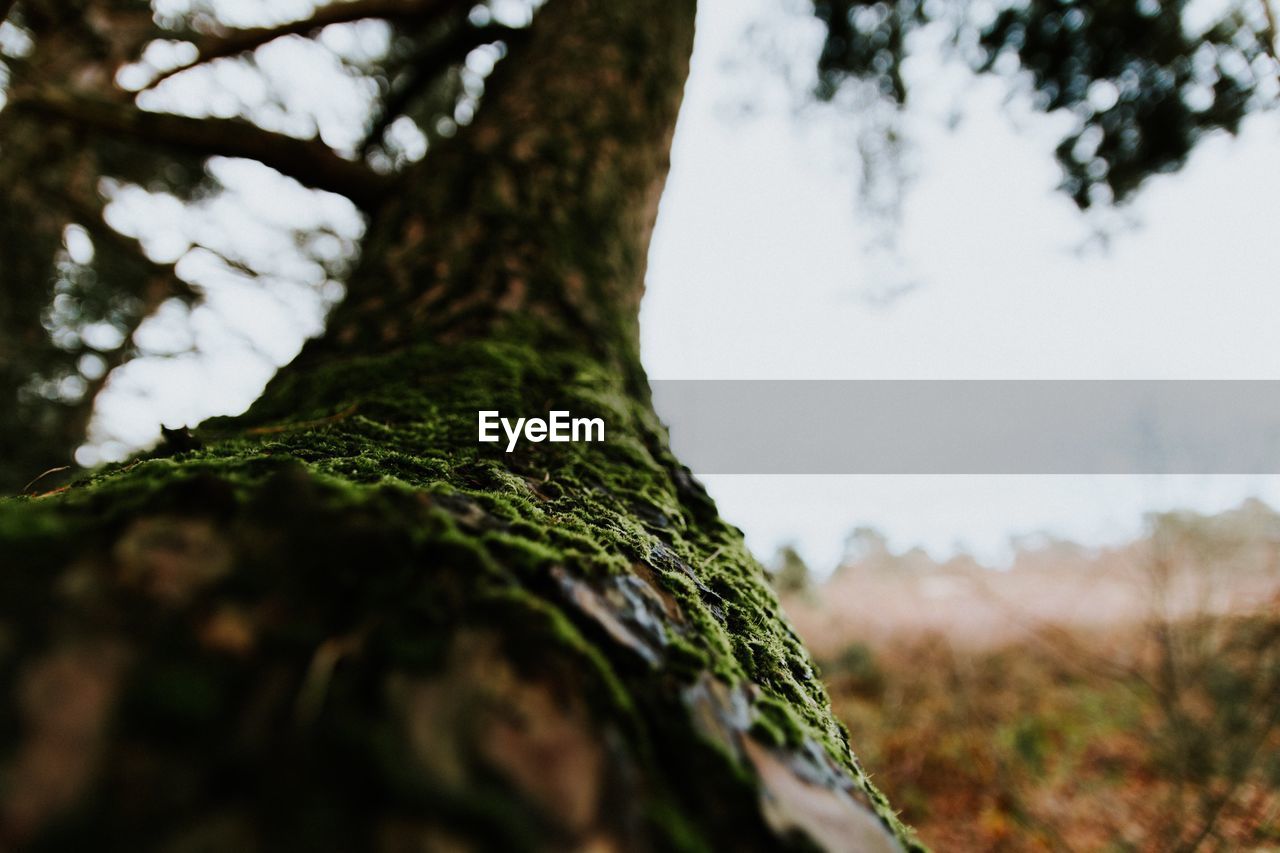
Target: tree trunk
341 623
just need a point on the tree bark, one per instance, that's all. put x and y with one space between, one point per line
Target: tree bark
340 623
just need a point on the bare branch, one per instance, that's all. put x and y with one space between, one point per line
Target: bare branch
310 162
1270 34
237 41
163 281
424 66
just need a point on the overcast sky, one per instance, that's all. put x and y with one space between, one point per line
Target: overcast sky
760 269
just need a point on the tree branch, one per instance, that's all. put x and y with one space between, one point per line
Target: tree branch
91 217
237 41
310 162
424 66
1270 34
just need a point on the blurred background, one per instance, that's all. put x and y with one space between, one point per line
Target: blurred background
1025 662
770 263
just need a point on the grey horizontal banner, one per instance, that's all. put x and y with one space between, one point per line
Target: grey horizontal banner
973 427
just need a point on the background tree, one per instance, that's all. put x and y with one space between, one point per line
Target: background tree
790 573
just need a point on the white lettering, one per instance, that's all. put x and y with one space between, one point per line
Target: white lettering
487 426
587 425
560 426
512 434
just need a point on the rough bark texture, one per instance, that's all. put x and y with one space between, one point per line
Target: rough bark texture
341 624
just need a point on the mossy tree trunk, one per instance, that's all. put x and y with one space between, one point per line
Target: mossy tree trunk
340 623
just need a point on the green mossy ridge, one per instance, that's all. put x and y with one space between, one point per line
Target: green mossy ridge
377 436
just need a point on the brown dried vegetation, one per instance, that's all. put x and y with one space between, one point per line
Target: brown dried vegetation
1123 699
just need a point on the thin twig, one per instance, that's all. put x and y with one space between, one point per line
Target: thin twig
319 422
28 486
425 66
237 41
1271 33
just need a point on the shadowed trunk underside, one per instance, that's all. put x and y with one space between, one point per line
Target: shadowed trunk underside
340 623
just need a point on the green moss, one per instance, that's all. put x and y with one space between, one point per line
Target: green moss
362 481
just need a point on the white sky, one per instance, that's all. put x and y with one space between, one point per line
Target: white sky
758 270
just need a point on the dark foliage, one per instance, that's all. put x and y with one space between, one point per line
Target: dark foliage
1143 86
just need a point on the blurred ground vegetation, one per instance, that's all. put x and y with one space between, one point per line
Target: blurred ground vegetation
1114 699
